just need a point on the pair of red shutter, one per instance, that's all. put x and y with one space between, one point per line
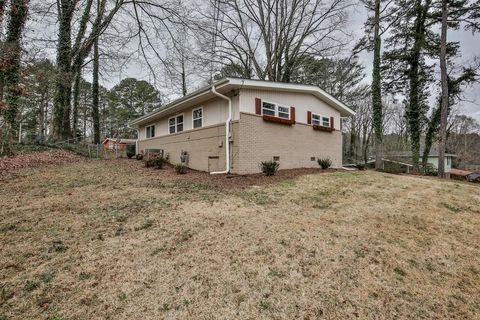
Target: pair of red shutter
309 119
258 109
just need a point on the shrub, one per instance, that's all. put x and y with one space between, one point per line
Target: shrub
361 166
154 162
430 170
130 151
325 163
139 156
180 168
269 168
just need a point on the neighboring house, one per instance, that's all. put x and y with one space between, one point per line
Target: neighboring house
119 144
405 159
234 124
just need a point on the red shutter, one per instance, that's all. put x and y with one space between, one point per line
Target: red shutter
258 106
292 114
309 117
332 124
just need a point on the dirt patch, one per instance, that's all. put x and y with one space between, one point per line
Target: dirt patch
14 166
218 181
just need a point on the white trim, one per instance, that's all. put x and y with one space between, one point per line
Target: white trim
321 120
193 120
276 109
176 123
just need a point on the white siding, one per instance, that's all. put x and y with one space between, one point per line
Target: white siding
303 102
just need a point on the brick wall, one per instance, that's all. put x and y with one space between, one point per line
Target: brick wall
295 145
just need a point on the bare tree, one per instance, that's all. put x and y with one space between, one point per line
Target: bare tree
270 36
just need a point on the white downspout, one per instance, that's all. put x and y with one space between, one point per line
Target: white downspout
227 132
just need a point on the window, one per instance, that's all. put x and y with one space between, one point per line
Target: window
318 120
275 110
197 116
150 131
175 124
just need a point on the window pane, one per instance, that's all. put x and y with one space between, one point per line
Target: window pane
283 115
179 119
171 122
180 127
325 122
197 113
269 112
172 129
267 105
315 117
197 123
152 134
283 109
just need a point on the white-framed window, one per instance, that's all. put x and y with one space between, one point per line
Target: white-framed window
275 110
175 124
318 120
150 131
197 118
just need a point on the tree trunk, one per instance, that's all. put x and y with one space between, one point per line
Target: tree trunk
413 111
377 91
76 103
184 76
63 92
95 93
444 80
11 54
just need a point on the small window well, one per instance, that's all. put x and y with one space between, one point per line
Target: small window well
276 158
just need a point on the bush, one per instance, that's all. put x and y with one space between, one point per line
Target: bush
325 163
130 151
181 168
361 166
269 168
139 156
430 170
154 162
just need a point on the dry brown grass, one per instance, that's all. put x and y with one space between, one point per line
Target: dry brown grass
101 240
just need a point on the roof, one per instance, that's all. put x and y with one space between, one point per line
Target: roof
227 84
408 154
127 141
461 173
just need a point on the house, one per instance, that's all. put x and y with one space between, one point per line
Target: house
234 124
119 144
404 160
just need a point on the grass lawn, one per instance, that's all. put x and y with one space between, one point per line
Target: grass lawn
112 240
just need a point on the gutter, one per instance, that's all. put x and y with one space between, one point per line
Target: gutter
227 132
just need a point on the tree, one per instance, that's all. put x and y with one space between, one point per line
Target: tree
269 37
10 88
409 45
128 100
462 10
70 58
